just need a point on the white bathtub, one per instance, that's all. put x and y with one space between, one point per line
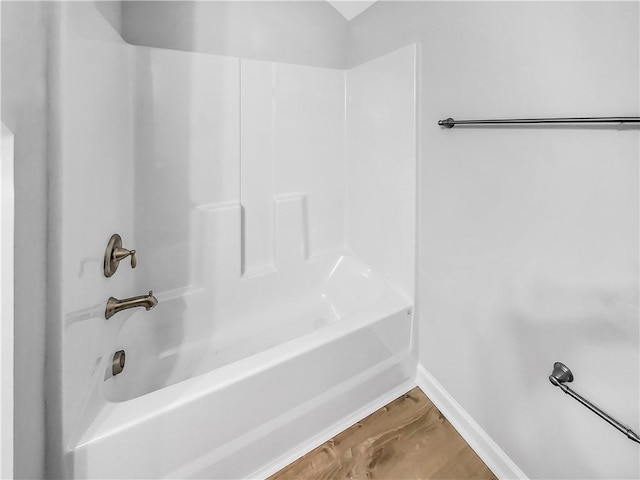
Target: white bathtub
230 405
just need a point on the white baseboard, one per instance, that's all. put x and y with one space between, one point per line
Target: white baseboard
488 450
490 453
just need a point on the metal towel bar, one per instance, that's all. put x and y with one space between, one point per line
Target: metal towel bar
450 122
561 374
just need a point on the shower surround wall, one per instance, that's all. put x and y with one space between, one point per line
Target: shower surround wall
91 197
237 183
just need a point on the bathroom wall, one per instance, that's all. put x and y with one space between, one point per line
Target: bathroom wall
24 111
528 237
111 10
300 32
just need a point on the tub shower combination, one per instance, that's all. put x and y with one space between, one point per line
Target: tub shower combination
268 211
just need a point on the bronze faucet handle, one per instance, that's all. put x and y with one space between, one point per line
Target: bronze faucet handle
122 253
115 253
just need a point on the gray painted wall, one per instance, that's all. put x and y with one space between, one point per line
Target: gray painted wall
528 237
24 111
300 32
111 10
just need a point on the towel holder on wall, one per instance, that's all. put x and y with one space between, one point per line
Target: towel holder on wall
561 374
450 122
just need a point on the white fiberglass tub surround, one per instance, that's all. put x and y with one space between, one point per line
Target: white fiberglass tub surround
273 216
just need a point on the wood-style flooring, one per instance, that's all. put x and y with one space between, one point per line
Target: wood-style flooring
407 439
